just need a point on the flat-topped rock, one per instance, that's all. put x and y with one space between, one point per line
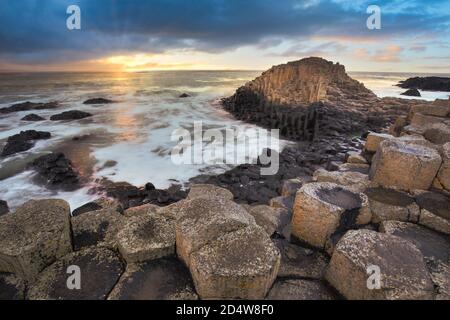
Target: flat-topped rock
209 191
402 268
146 237
438 133
374 139
299 262
437 109
354 167
355 157
239 265
422 120
96 228
70 115
270 219
34 236
144 209
390 204
443 176
162 279
435 211
100 269
323 211
406 166
203 220
293 289
354 180
434 246
11 287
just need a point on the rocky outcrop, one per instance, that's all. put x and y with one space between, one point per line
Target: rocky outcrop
426 83
27 106
23 141
34 236
70 115
412 93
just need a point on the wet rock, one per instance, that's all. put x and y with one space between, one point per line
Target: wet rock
56 171
32 117
435 211
70 115
412 93
146 237
374 140
238 265
99 204
293 289
23 141
100 270
4 209
389 204
96 228
26 106
323 211
144 209
203 220
299 262
11 287
34 236
209 191
435 248
98 101
406 166
270 219
162 279
404 274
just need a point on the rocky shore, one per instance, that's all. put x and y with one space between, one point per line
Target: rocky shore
366 189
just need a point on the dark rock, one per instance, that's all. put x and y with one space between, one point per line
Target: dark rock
412 93
70 115
88 207
4 209
23 141
435 203
26 106
162 279
11 287
426 83
32 117
98 101
56 171
149 186
100 270
184 95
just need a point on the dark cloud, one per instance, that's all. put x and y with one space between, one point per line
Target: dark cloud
35 30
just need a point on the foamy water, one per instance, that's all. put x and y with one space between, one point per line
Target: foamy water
135 132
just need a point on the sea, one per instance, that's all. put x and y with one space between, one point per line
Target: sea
131 140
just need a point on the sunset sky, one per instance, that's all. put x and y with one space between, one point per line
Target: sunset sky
138 35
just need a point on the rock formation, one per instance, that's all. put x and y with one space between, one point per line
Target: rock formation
426 83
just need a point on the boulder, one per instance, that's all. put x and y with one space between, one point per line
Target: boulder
438 133
299 262
270 219
96 228
299 289
374 139
23 141
238 265
403 272
34 236
436 109
209 191
406 166
70 115
162 279
98 101
389 204
4 209
411 93
146 237
422 120
444 172
100 269
11 287
99 204
323 211
32 117
435 248
355 157
203 220
354 180
434 211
